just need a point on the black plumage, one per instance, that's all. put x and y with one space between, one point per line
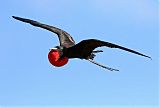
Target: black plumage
83 49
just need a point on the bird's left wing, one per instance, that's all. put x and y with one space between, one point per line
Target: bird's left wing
64 38
90 44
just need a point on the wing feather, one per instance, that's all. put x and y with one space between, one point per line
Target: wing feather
64 38
90 44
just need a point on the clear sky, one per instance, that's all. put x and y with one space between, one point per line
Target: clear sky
27 77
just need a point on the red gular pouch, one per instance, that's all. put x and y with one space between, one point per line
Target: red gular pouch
54 58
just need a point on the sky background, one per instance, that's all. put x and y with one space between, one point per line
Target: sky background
27 77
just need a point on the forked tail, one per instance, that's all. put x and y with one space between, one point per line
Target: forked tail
108 68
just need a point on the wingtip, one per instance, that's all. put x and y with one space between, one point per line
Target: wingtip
14 17
20 19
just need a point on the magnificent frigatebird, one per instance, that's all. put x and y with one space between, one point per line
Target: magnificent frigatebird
59 55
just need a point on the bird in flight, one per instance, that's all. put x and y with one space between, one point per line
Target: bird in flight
59 55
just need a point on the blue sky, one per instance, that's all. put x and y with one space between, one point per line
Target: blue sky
27 77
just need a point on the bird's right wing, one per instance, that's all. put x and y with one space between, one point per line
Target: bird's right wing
65 39
90 44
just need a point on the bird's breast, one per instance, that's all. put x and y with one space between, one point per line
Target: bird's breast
54 59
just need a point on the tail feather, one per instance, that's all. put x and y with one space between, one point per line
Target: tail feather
97 51
108 68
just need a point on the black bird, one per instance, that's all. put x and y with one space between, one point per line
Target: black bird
69 49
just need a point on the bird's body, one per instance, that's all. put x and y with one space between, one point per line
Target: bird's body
59 55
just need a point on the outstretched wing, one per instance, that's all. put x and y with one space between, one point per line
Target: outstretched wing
87 46
65 39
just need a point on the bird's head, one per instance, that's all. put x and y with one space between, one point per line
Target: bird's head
55 56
